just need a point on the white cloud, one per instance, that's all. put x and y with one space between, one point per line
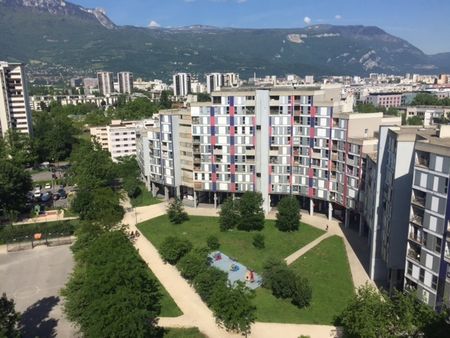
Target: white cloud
154 24
307 20
338 17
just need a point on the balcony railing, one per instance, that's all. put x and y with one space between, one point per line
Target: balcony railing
414 255
419 200
417 220
415 238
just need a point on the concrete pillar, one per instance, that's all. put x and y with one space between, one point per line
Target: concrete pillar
330 211
178 192
347 220
233 196
215 200
311 207
154 191
361 226
195 199
166 193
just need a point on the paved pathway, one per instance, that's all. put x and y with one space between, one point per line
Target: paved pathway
296 255
195 312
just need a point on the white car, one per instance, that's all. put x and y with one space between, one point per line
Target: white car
48 186
37 193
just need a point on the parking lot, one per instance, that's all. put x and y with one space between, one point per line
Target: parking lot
33 278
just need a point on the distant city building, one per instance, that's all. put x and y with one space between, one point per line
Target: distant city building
214 81
105 83
119 138
181 84
76 82
100 101
309 79
90 85
15 110
386 100
231 80
125 80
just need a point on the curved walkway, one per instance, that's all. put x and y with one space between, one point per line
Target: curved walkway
196 313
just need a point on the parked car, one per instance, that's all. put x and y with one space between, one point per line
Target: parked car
62 193
48 186
37 192
46 197
56 197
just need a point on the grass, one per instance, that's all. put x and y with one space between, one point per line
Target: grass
237 244
326 266
144 198
183 333
168 307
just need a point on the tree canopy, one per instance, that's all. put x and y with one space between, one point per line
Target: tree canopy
288 215
425 99
9 318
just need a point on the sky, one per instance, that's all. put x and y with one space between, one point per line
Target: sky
424 23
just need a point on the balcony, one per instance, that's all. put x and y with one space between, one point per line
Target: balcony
417 219
419 201
416 238
414 254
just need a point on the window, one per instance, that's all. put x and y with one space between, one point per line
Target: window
410 268
438 245
434 282
422 275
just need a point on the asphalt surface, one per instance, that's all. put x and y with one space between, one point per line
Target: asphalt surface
33 278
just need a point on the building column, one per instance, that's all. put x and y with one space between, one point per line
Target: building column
233 196
361 226
195 199
154 191
178 192
330 211
166 193
347 221
215 200
311 207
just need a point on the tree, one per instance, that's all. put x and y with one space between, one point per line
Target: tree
414 121
301 292
229 215
251 211
101 206
369 314
288 215
111 292
174 248
15 183
176 212
203 97
278 278
193 263
9 318
136 109
258 241
205 282
233 308
164 101
19 148
213 242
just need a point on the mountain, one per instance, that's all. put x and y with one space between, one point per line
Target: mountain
63 39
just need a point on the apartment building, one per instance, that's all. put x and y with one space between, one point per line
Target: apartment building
386 100
164 153
105 83
282 141
36 101
119 138
431 115
427 267
125 80
231 80
15 110
181 84
214 82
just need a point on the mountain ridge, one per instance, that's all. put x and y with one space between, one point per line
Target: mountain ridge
64 39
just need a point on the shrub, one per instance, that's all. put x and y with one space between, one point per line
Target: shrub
176 212
193 263
278 278
173 249
288 215
205 282
213 242
301 293
251 212
229 215
258 241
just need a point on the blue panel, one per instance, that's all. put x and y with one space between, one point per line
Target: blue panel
231 101
311 182
211 111
214 186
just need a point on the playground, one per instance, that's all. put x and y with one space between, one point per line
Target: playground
235 270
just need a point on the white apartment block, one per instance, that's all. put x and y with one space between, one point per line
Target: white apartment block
181 84
125 80
64 100
105 83
214 81
119 138
15 110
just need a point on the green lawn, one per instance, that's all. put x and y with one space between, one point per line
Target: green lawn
168 306
144 198
183 333
326 266
237 244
